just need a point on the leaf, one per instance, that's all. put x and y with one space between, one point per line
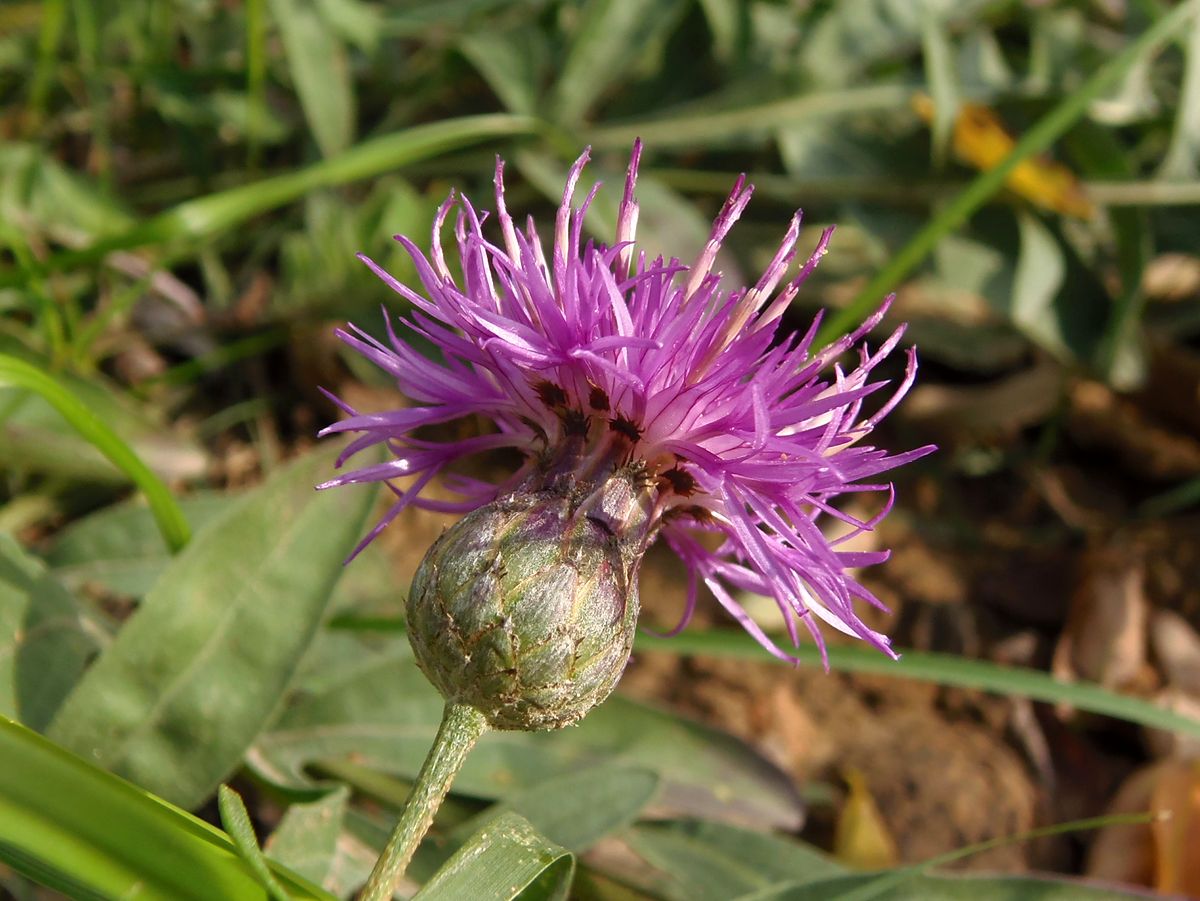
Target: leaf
1183 153
45 638
512 62
75 828
844 42
320 71
36 190
575 811
699 861
381 711
705 123
942 669
119 547
1048 129
354 20
862 839
1119 356
305 841
96 432
1039 275
236 821
981 140
605 40
199 669
223 211
940 888
507 859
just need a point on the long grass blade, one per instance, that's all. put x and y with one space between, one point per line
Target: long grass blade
170 519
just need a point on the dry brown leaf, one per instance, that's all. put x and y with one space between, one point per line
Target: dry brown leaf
1161 854
1104 639
1177 836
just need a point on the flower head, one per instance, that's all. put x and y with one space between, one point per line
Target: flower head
596 360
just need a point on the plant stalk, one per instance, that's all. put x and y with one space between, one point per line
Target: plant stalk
460 729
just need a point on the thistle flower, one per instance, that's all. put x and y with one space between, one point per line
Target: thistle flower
647 400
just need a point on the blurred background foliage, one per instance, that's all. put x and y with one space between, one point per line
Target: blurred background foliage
184 185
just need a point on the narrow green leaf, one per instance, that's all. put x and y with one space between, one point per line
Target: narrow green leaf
306 840
943 669
1047 130
199 669
945 888
1119 355
320 71
506 860
236 821
46 639
224 210
86 833
512 63
751 122
170 519
1039 275
1182 159
915 882
607 33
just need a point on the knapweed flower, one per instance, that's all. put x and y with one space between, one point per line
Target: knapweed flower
647 400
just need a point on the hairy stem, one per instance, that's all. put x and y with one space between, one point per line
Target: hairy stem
460 729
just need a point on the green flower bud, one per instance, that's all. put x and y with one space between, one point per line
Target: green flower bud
525 609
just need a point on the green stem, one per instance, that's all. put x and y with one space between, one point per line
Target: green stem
1048 129
460 729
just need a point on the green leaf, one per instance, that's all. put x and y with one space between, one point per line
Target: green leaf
1183 153
35 436
237 824
605 41
88 834
1039 275
1037 139
699 861
512 62
943 669
506 860
320 72
46 639
37 189
197 672
942 888
379 709
747 123
225 210
307 837
119 546
575 811
19 374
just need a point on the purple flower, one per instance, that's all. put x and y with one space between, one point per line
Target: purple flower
744 433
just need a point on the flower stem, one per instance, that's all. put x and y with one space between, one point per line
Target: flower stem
460 729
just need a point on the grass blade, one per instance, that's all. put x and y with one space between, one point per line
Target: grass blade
943 669
236 820
196 219
78 829
170 519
